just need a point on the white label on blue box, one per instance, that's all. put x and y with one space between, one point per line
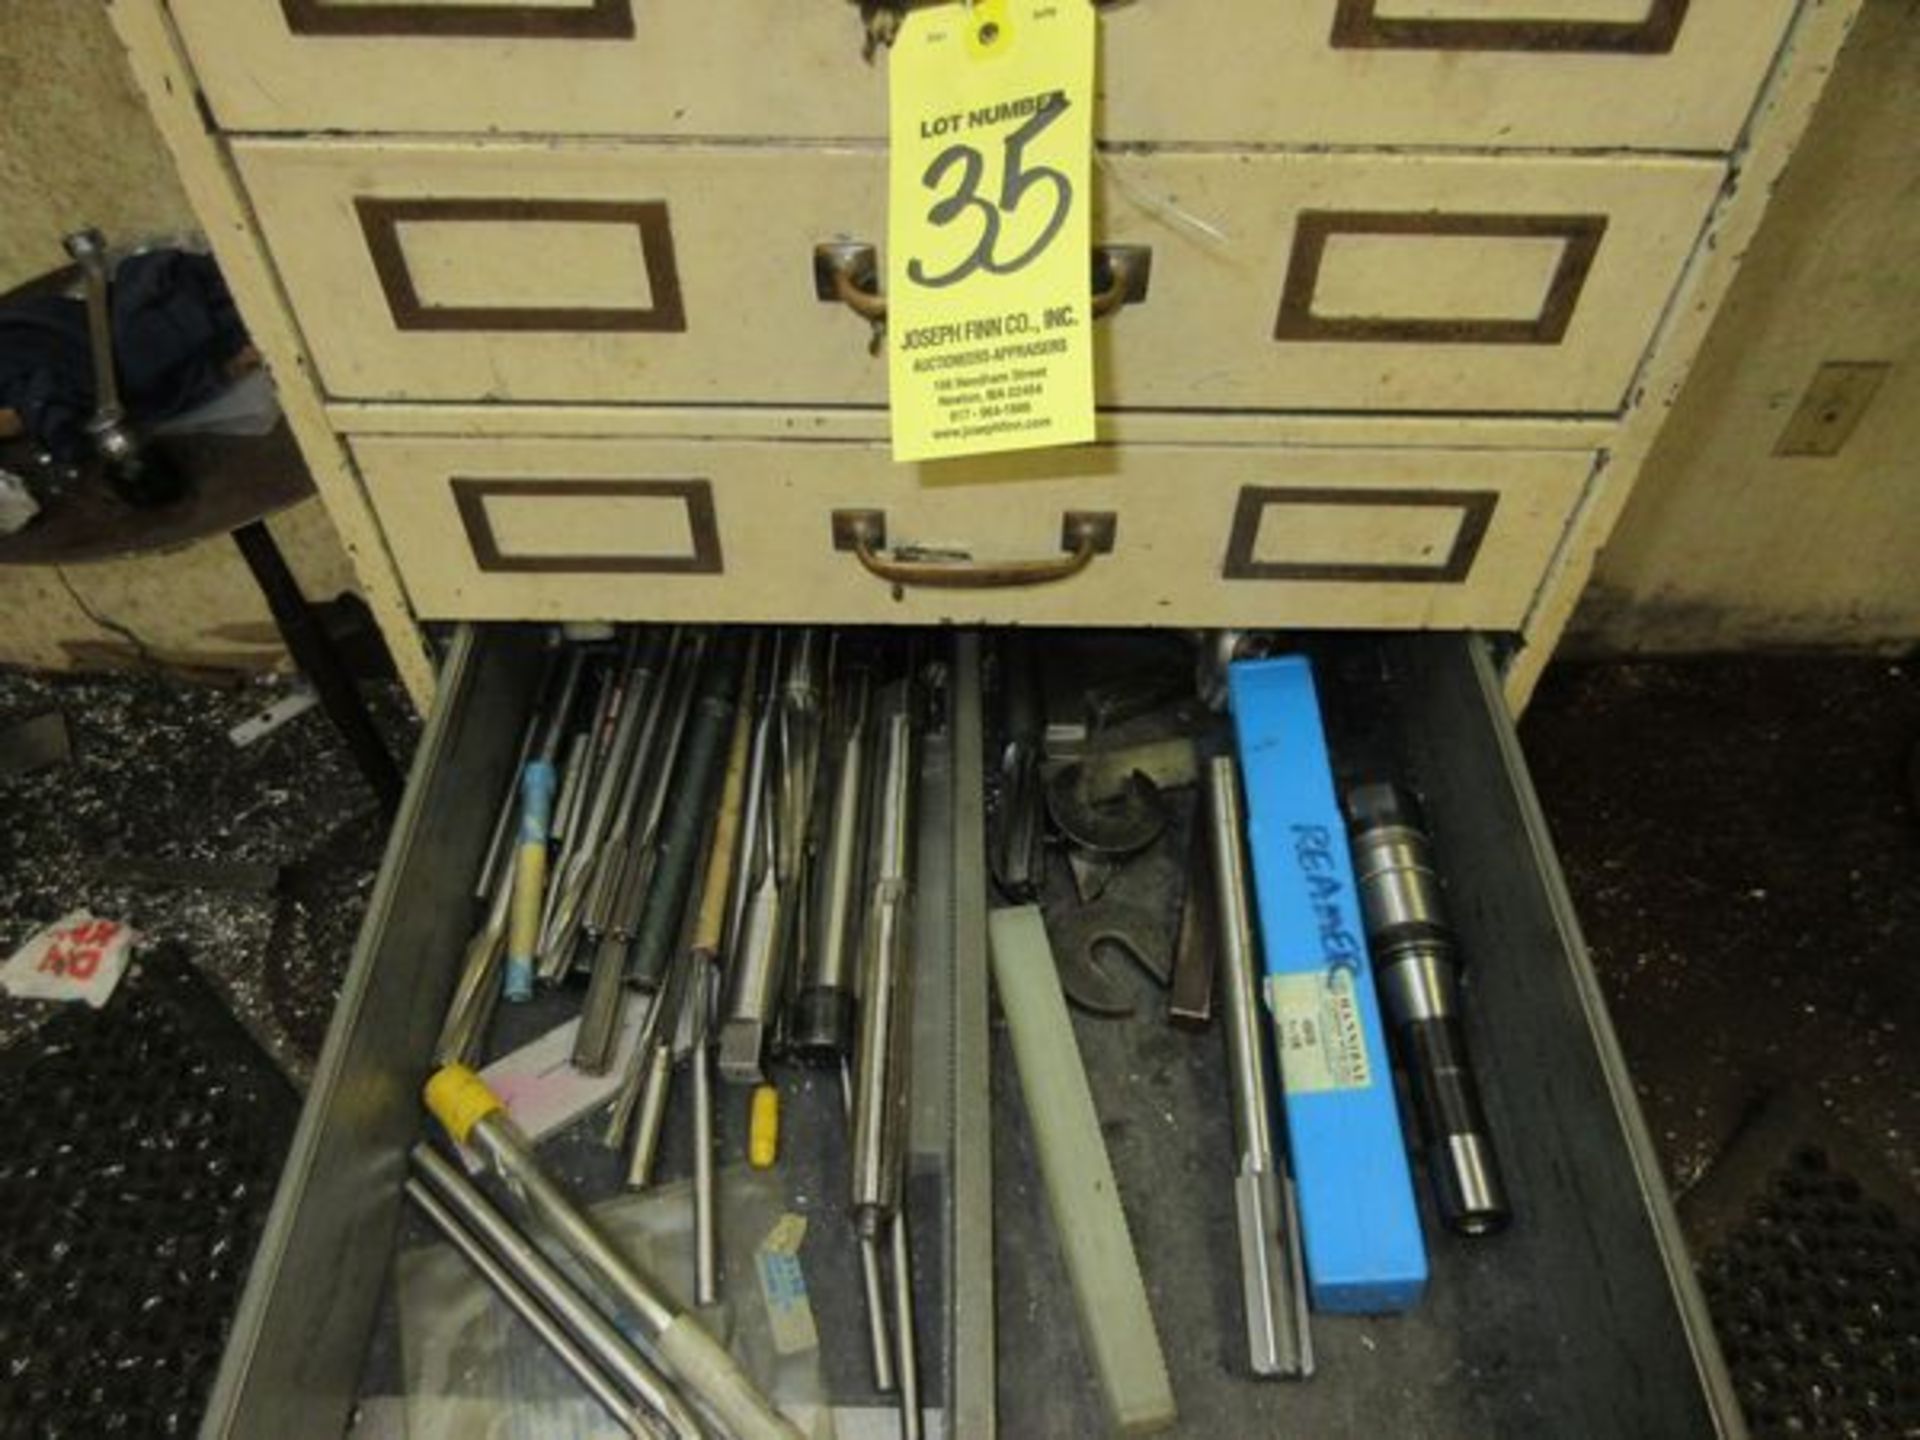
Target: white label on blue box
1318 1033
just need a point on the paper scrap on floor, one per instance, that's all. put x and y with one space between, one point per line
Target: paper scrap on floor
79 957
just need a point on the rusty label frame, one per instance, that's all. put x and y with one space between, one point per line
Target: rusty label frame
471 494
1475 507
598 20
381 218
1358 25
1580 237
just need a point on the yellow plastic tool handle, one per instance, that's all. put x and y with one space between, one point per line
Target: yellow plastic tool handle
537 785
459 1100
763 1128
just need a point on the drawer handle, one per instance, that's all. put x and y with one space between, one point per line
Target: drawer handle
848 273
1083 535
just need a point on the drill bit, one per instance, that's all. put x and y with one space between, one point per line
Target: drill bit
600 1011
603 829
1273 1285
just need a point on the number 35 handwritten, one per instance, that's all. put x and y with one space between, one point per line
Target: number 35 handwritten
1016 181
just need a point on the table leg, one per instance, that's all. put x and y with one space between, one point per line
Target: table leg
319 661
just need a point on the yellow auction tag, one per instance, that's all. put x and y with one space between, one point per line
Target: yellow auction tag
989 342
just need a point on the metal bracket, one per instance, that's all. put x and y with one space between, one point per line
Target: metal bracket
851 527
855 259
1135 262
1095 528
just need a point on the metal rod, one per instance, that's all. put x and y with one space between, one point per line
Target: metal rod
801 686
577 773
969 1334
1016 858
593 741
651 1078
627 1098
607 819
787 753
478 988
642 1104
656 1084
572 778
521 1301
1279 1343
710 933
88 248
459 1099
754 905
753 816
608 868
599 1012
755 971
706 1232
706 956
515 1251
880 1071
629 680
825 1008
683 831
872 1277
803 729
907 1359
1190 995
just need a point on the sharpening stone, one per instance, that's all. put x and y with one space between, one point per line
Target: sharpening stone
1085 1203
1364 1250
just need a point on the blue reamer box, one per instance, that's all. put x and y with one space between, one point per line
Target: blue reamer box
1364 1250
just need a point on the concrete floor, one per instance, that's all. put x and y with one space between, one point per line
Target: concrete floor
1742 840
1740 837
280 840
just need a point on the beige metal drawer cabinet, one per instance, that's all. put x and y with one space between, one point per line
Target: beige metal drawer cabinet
1675 75
745 529
505 254
673 274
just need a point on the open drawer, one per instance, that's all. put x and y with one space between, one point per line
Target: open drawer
1582 1319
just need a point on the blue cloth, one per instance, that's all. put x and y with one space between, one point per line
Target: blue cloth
174 330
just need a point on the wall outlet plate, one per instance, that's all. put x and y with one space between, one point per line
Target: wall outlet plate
1832 407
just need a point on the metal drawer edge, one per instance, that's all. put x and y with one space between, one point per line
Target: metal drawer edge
1711 1365
327 1244
295 1356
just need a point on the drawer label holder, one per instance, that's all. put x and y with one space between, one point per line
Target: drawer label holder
989 281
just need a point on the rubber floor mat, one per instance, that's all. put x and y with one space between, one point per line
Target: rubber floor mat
1810 1260
141 1146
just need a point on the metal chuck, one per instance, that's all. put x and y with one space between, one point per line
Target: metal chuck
1416 965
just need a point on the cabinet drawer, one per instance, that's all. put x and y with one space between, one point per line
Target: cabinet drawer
1583 1319
677 274
1604 74
496 528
